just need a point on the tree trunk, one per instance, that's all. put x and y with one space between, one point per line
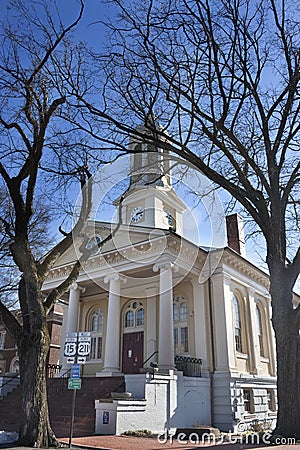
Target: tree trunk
288 356
35 428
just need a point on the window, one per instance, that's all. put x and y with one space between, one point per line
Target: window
96 347
140 317
237 324
96 329
176 340
14 365
175 312
129 319
247 394
271 400
134 315
137 164
97 321
2 339
181 331
92 242
183 311
260 331
184 339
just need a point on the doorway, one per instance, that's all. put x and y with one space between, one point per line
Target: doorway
133 352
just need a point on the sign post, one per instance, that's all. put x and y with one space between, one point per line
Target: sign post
72 417
77 348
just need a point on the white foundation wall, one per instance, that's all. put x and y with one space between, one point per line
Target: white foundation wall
158 404
194 406
222 402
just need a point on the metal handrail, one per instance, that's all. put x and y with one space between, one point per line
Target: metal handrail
154 353
10 378
118 387
65 373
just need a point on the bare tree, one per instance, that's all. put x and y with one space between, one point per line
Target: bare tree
40 241
222 79
42 157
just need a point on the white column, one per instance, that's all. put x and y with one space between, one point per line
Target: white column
200 325
166 331
222 323
73 309
62 358
151 342
254 351
112 338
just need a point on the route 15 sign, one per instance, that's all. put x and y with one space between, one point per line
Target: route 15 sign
70 349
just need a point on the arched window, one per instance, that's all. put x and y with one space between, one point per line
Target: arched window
95 326
175 312
15 365
92 243
129 319
137 164
140 317
134 315
2 339
237 324
260 331
180 319
183 311
97 320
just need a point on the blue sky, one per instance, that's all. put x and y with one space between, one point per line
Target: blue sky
90 28
93 31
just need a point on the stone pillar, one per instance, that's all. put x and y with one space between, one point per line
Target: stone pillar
222 321
73 309
200 325
254 352
112 338
62 358
151 337
166 327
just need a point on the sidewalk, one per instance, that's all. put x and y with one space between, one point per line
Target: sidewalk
140 443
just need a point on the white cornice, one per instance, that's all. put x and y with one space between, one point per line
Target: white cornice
245 268
186 255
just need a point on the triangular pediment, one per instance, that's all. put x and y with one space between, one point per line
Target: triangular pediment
122 238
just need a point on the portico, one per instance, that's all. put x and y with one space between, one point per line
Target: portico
157 322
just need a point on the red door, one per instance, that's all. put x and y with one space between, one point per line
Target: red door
133 352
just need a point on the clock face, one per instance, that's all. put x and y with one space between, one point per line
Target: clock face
136 214
168 216
95 240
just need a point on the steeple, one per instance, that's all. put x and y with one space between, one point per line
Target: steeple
150 200
150 165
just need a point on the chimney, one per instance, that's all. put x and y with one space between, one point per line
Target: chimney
235 234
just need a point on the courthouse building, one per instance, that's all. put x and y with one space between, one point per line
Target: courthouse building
190 329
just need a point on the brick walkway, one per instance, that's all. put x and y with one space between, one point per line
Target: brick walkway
136 443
